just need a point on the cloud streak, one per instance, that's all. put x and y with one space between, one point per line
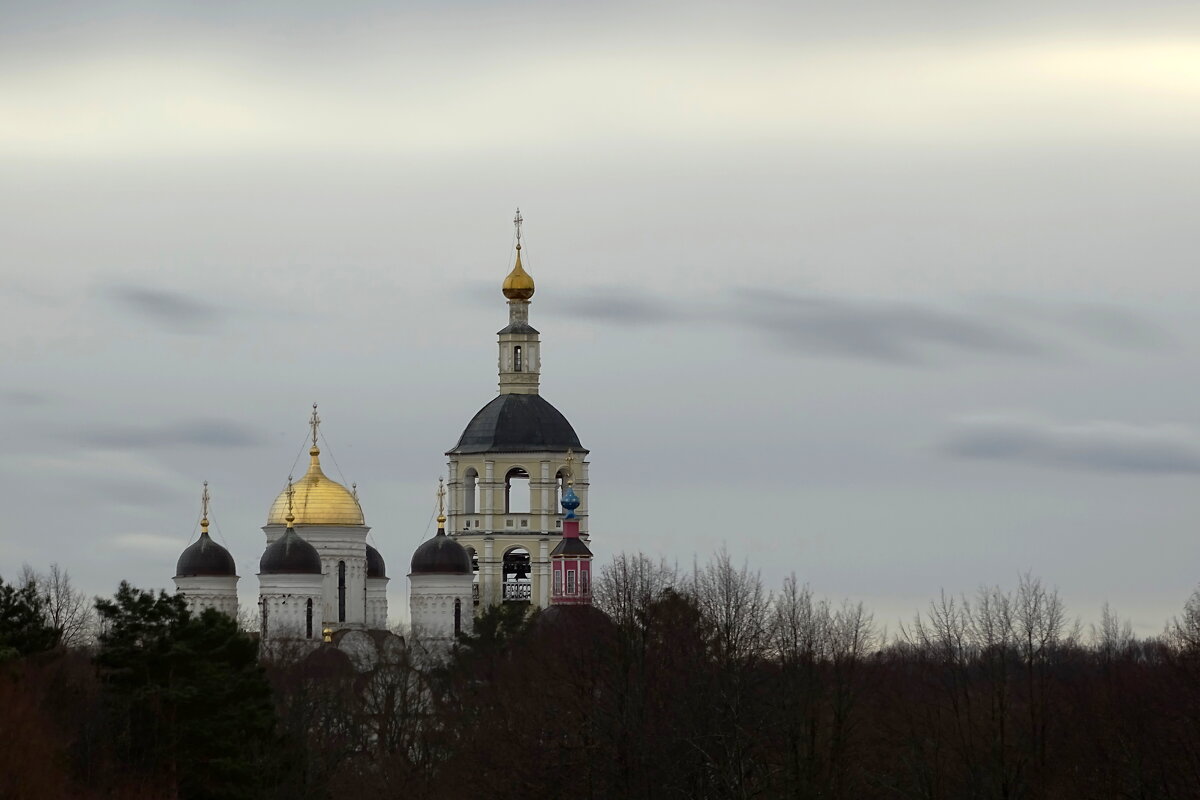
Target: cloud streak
170 311
907 333
188 433
886 331
1098 446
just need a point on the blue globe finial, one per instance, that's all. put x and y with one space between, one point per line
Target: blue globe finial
570 502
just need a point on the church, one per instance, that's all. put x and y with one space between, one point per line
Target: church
512 523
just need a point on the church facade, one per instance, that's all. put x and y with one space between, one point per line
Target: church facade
512 522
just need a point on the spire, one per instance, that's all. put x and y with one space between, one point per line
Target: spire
570 501
520 362
314 422
291 494
518 286
204 511
441 517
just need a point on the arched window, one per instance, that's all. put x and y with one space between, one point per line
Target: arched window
583 581
517 359
470 491
557 581
341 591
263 630
457 616
516 491
560 488
308 619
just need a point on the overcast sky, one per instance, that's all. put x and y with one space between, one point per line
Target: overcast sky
899 297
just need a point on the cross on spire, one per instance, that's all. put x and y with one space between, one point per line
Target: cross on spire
314 422
517 220
570 467
441 496
291 493
204 508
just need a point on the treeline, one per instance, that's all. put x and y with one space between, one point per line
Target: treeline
693 684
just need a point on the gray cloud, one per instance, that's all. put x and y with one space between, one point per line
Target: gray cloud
1094 446
25 398
876 330
192 433
608 305
172 311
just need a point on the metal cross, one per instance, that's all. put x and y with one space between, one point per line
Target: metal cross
570 467
441 495
517 220
314 421
291 492
204 505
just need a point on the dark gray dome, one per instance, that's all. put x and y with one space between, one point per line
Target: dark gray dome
517 423
441 555
205 557
375 566
290 555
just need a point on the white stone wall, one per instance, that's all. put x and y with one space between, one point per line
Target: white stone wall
285 601
377 604
336 543
209 591
431 605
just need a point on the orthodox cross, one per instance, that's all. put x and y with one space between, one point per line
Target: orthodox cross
314 421
517 220
204 508
570 468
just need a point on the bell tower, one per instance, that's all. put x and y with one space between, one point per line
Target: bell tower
509 470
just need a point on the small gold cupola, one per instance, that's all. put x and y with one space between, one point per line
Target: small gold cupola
519 283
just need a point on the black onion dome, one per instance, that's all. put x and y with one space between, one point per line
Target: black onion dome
375 566
205 557
441 555
290 555
517 423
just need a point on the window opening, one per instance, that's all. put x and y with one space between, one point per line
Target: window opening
570 581
457 616
308 619
516 359
470 491
516 491
341 591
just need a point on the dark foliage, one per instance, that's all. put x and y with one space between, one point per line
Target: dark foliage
24 627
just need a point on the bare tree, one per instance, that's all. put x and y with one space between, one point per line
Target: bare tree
66 609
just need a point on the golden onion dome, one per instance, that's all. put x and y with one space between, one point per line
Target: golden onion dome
318 500
519 283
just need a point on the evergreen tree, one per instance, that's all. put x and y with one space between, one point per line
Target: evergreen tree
187 697
23 626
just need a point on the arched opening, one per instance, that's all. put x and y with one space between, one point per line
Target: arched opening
457 616
341 591
517 358
470 491
518 588
560 488
263 626
308 619
516 491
